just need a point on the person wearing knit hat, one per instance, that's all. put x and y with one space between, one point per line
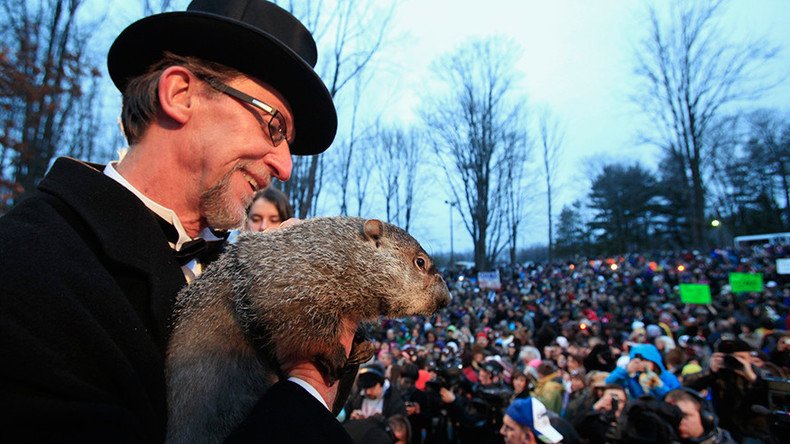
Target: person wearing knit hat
527 422
653 331
691 368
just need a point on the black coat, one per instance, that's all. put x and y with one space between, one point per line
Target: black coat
288 414
87 290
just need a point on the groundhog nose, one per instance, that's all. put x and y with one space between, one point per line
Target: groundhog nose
444 299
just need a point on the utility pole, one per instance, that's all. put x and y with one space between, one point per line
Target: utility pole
452 250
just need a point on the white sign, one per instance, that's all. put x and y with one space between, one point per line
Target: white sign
783 266
489 280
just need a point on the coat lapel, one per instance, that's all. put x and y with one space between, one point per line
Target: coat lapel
126 231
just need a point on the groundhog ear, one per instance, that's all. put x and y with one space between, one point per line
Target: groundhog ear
374 229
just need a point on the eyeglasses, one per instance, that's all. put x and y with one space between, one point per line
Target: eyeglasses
278 130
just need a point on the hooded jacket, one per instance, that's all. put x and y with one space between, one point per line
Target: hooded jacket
632 383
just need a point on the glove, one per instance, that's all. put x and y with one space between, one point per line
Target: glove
649 380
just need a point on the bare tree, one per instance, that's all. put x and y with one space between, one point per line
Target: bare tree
45 68
551 143
354 31
398 158
151 7
362 175
689 74
412 155
769 146
470 125
345 153
515 187
388 168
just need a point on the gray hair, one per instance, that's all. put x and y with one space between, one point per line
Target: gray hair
141 95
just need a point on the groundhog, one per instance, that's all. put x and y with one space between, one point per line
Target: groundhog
285 296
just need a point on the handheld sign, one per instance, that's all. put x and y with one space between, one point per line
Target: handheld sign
489 280
783 266
695 294
746 282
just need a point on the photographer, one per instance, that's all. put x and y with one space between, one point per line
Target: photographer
418 407
444 405
735 385
477 416
699 424
600 424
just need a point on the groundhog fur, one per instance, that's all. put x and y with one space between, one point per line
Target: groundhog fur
286 296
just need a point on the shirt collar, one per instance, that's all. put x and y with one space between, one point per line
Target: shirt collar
165 213
310 389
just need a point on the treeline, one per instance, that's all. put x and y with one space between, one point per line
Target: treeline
630 207
476 143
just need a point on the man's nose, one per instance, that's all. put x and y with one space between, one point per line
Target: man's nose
281 163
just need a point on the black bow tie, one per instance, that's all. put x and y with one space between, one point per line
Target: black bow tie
202 250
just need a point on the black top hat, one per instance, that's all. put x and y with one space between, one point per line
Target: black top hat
255 37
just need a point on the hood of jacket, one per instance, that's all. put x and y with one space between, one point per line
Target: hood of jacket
649 352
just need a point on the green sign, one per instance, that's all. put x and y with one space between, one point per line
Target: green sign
695 293
746 282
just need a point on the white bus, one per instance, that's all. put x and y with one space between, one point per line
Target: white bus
761 239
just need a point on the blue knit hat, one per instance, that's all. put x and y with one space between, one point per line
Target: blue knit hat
530 412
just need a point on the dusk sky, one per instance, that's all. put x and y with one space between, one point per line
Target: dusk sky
577 61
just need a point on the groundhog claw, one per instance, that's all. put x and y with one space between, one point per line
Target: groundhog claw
361 352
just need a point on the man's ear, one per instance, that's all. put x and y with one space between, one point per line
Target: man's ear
177 88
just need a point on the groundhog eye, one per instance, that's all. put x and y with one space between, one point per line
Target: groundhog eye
420 262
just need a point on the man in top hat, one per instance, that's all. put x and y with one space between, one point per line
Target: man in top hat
215 101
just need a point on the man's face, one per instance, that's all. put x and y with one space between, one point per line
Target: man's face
235 155
514 433
374 392
691 425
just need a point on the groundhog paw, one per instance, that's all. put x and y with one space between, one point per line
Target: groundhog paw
361 352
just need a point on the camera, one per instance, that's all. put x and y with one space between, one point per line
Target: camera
447 378
732 363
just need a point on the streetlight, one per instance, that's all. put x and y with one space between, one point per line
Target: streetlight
452 251
716 224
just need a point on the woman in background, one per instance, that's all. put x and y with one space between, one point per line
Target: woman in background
270 207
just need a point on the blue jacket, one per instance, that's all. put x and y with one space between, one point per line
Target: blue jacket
648 352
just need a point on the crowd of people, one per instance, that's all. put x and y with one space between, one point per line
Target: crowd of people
604 345
216 100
